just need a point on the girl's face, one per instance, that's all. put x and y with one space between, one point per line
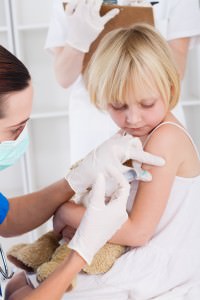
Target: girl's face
17 108
140 113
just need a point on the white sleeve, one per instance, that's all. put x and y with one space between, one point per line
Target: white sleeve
178 18
185 19
57 33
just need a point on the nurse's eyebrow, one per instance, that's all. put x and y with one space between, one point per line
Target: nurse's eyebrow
19 124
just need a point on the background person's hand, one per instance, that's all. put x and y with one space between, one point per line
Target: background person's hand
110 154
101 220
85 23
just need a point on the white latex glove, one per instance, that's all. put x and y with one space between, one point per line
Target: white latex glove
85 23
101 220
113 152
137 173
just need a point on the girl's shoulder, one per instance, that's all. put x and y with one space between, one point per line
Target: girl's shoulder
172 141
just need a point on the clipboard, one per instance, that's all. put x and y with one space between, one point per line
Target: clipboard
128 16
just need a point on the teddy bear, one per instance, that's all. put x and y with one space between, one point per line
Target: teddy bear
46 253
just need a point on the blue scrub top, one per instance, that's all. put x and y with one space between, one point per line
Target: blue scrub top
4 207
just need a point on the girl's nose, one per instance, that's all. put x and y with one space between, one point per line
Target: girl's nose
133 116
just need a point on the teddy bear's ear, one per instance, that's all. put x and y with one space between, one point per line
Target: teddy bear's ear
30 256
12 257
19 263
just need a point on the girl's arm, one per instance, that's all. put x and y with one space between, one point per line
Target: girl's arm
30 211
152 197
150 200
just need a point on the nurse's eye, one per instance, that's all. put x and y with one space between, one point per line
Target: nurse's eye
16 132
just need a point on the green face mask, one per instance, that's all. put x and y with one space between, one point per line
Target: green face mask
11 151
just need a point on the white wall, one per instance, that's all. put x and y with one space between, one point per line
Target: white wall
48 158
23 29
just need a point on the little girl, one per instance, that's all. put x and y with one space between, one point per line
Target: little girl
132 75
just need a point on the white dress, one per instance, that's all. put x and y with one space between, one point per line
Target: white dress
170 262
168 267
88 126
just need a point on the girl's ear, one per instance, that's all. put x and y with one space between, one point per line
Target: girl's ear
172 91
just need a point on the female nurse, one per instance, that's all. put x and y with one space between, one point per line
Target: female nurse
24 213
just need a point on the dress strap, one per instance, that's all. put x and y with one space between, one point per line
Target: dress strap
180 127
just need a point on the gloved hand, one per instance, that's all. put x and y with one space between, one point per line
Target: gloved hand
137 173
101 220
85 23
113 152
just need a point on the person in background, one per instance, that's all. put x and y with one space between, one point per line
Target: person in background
24 213
69 38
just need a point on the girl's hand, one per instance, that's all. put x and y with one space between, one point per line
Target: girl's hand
60 219
84 22
68 233
69 214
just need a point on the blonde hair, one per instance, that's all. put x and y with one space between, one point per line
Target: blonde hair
132 57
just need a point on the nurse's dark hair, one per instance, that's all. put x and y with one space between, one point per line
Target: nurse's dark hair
14 76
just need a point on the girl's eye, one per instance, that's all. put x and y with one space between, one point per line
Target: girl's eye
118 106
147 105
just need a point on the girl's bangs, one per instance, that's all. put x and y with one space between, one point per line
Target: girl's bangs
135 79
